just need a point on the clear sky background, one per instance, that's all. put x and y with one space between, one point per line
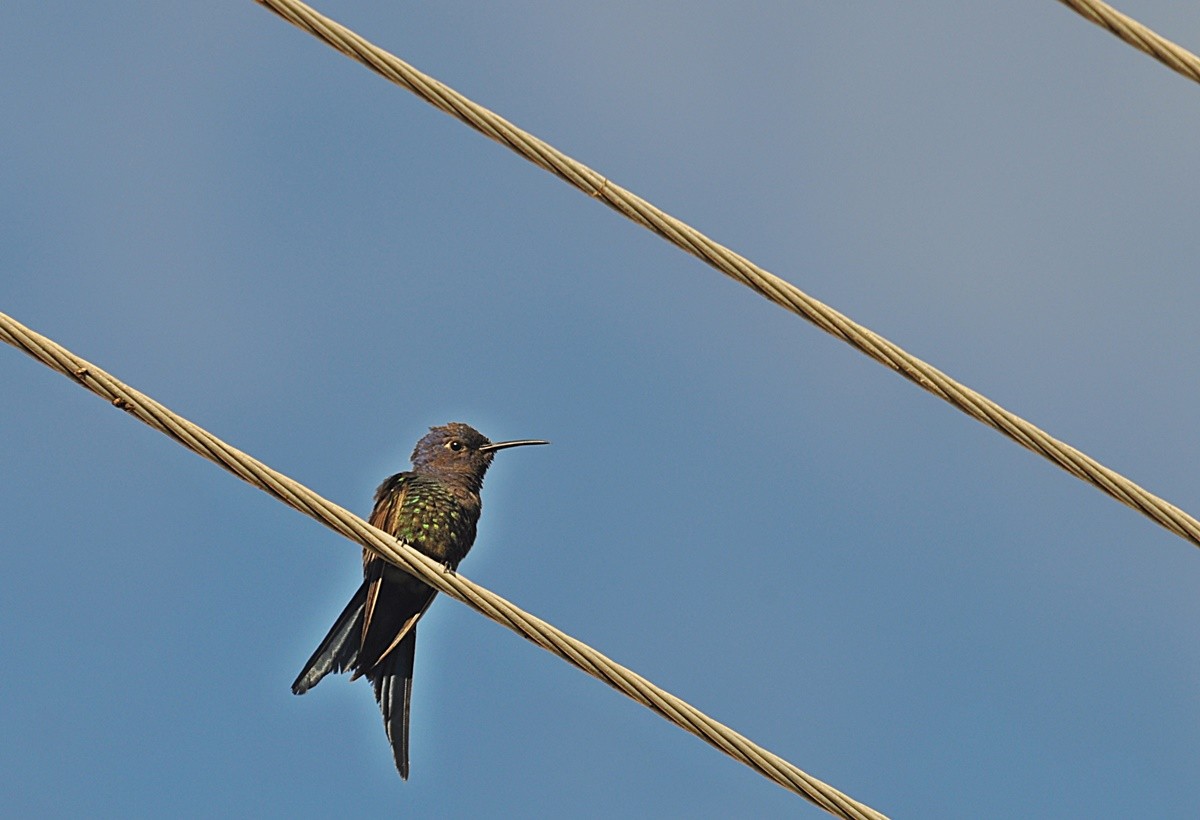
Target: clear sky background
316 266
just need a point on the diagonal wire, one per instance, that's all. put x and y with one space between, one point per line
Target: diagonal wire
738 267
346 523
1173 56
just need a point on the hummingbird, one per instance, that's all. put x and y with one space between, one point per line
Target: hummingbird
434 508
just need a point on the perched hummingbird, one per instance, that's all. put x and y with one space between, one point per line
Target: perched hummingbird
434 508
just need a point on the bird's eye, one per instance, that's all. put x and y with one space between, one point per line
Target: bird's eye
455 445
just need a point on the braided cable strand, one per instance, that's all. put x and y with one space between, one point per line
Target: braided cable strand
734 265
433 573
1173 56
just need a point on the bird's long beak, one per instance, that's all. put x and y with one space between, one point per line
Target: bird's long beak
501 445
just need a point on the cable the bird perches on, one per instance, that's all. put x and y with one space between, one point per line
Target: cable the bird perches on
346 523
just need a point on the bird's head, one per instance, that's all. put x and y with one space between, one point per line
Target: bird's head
459 450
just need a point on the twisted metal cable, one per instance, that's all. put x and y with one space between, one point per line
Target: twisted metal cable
1173 56
734 265
432 572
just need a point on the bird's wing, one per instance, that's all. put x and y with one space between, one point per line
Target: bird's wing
395 600
339 651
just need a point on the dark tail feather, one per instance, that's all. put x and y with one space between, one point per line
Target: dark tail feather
392 680
339 651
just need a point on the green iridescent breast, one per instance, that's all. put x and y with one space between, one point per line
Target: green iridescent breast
431 516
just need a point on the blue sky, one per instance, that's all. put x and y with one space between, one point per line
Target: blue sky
315 266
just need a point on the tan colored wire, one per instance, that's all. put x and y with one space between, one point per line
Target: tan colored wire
482 600
1173 56
726 261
